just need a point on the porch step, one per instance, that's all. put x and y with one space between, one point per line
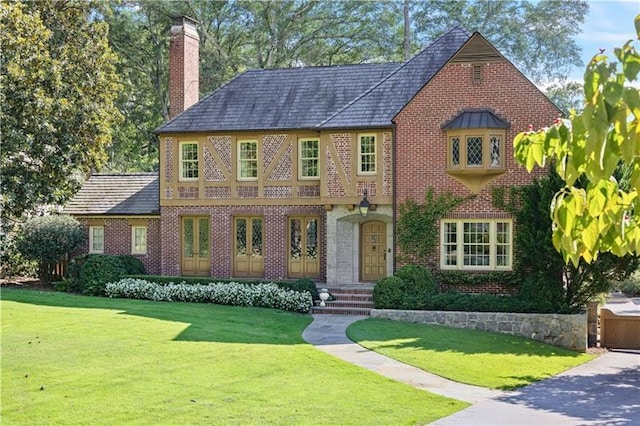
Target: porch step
347 301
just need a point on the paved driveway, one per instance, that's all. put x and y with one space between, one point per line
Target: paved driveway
605 391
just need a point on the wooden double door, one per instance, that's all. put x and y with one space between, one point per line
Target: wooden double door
195 236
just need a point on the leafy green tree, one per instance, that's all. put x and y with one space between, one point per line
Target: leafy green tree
537 37
547 279
601 216
566 95
57 103
47 240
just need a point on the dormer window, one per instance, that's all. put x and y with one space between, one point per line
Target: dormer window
476 147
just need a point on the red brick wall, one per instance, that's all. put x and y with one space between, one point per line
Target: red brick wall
184 74
117 241
275 237
420 150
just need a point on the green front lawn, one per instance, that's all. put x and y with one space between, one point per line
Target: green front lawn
72 359
491 360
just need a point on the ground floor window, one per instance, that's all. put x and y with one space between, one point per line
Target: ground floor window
96 239
138 240
476 244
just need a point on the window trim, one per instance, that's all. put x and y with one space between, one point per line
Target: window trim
91 237
301 159
181 160
375 154
240 160
493 244
133 240
486 134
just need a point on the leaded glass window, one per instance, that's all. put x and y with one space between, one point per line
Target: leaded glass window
187 237
474 151
455 151
312 239
203 237
494 151
241 237
296 239
256 237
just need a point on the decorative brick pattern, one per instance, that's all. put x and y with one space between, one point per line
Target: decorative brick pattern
283 171
420 142
334 185
270 146
309 191
342 142
275 237
188 192
387 166
217 192
371 188
248 192
278 191
168 159
168 193
222 145
212 172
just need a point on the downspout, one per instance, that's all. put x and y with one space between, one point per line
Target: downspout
393 194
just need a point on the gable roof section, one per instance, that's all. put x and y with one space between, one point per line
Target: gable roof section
288 98
126 194
379 105
349 96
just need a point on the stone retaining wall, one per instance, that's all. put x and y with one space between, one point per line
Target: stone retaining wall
567 331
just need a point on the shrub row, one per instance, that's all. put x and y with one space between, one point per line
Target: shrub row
301 285
414 288
230 293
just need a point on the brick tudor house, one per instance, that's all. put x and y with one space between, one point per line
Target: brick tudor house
263 177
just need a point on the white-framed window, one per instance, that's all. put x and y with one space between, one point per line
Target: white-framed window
247 160
366 154
96 239
308 155
476 244
476 149
138 240
188 161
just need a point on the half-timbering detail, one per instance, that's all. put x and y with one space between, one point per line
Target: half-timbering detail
248 191
222 145
342 144
282 170
217 192
271 145
188 192
212 172
309 191
278 191
335 188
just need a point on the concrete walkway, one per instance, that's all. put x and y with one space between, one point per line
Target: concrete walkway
603 391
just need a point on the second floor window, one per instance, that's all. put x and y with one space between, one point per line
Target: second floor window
481 150
308 155
188 161
247 160
367 154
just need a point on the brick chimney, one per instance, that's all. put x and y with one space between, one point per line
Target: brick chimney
184 65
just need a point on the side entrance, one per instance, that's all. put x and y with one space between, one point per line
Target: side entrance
303 260
373 251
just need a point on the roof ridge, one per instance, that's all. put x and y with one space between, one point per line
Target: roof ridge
315 67
125 174
386 78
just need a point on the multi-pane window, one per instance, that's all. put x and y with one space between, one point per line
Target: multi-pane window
476 244
367 154
188 161
308 155
247 160
480 150
138 240
96 239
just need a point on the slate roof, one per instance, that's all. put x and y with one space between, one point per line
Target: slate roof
349 96
476 118
117 194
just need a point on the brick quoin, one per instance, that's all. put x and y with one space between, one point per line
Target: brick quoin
421 144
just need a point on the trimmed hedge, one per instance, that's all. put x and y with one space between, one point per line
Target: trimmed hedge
265 295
